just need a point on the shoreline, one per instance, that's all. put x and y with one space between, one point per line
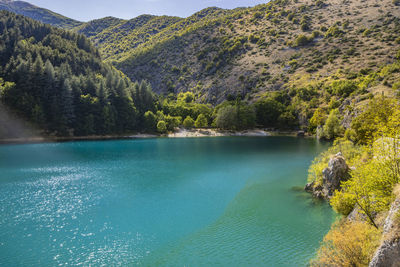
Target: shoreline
181 133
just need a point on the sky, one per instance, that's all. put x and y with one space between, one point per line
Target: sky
85 10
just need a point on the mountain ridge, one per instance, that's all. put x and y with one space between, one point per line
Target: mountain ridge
41 14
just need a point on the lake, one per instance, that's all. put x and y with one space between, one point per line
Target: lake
228 201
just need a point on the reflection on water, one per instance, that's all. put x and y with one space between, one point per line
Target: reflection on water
171 202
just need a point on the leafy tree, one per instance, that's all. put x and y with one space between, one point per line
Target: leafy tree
173 122
318 119
226 118
188 122
268 111
332 127
187 97
375 115
201 121
370 189
161 127
150 121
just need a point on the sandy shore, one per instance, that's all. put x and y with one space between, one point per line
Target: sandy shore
214 133
179 133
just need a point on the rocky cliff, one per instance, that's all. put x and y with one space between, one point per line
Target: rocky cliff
336 172
388 253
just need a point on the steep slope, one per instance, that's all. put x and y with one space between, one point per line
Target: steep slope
39 14
95 27
265 48
56 80
117 40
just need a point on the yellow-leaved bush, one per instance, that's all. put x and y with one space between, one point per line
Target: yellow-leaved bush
348 244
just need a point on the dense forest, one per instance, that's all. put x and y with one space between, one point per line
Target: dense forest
57 80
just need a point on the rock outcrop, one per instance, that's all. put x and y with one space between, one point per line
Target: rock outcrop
388 253
337 172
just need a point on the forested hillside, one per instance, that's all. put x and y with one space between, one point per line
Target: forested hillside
37 13
56 80
117 42
249 52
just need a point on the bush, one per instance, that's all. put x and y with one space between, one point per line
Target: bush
161 127
343 88
348 244
253 38
333 31
302 40
201 121
188 122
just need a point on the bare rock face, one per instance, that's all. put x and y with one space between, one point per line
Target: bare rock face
336 172
388 254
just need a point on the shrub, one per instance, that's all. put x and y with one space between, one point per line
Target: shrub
333 31
396 86
348 244
253 38
302 40
343 88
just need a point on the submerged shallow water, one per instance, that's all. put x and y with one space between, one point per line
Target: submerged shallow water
160 202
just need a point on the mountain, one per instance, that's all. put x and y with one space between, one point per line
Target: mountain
249 52
119 40
94 27
37 13
266 48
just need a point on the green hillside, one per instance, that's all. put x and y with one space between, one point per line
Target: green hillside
37 13
266 48
94 27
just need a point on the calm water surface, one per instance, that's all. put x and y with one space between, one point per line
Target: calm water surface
160 202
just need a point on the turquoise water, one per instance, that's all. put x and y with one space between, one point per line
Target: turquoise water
160 202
